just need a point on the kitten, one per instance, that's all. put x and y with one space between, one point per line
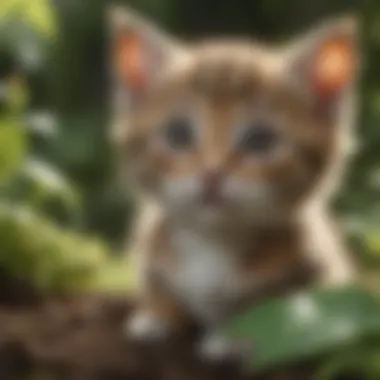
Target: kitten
235 149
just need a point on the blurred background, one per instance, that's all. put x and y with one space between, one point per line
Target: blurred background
64 216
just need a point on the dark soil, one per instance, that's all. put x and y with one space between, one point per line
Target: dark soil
79 338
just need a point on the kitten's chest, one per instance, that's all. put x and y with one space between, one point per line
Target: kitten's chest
206 272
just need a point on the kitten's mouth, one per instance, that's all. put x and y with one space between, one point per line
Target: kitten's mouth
212 198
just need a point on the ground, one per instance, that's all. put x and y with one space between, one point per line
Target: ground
79 338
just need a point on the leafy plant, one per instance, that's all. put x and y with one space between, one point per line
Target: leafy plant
332 325
41 240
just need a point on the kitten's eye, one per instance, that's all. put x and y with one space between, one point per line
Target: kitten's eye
258 138
179 134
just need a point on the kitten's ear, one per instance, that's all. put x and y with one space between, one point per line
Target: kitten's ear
140 53
324 63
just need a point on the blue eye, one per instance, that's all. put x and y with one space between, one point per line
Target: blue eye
179 134
258 138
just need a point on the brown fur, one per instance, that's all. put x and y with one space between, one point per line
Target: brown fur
223 85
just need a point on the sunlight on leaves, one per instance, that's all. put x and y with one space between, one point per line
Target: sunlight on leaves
17 95
53 258
13 145
372 242
49 182
118 275
37 12
42 123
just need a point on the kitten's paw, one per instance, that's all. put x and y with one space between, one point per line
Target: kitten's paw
217 348
145 327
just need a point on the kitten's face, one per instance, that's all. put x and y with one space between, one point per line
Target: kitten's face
226 137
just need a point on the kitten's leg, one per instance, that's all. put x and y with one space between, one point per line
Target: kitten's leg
157 318
215 347
158 314
146 326
251 287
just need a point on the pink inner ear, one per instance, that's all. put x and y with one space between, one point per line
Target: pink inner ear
334 67
130 61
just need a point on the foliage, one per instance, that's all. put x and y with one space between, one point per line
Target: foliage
43 253
54 259
342 327
12 148
37 12
39 204
38 250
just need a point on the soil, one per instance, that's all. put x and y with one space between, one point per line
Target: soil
79 338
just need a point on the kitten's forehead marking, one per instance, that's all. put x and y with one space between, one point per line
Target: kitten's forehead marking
223 73
232 71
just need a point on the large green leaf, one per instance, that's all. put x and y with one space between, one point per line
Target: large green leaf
307 325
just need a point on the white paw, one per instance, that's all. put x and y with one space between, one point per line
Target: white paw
146 327
216 348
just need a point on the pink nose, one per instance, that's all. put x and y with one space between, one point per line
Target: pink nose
211 186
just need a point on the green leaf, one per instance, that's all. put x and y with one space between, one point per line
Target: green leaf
42 124
41 15
37 12
47 182
117 276
18 96
307 325
46 255
363 361
13 145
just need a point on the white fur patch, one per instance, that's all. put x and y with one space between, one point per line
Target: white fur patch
205 275
181 194
215 348
146 327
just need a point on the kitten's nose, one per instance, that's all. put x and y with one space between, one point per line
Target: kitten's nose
212 180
